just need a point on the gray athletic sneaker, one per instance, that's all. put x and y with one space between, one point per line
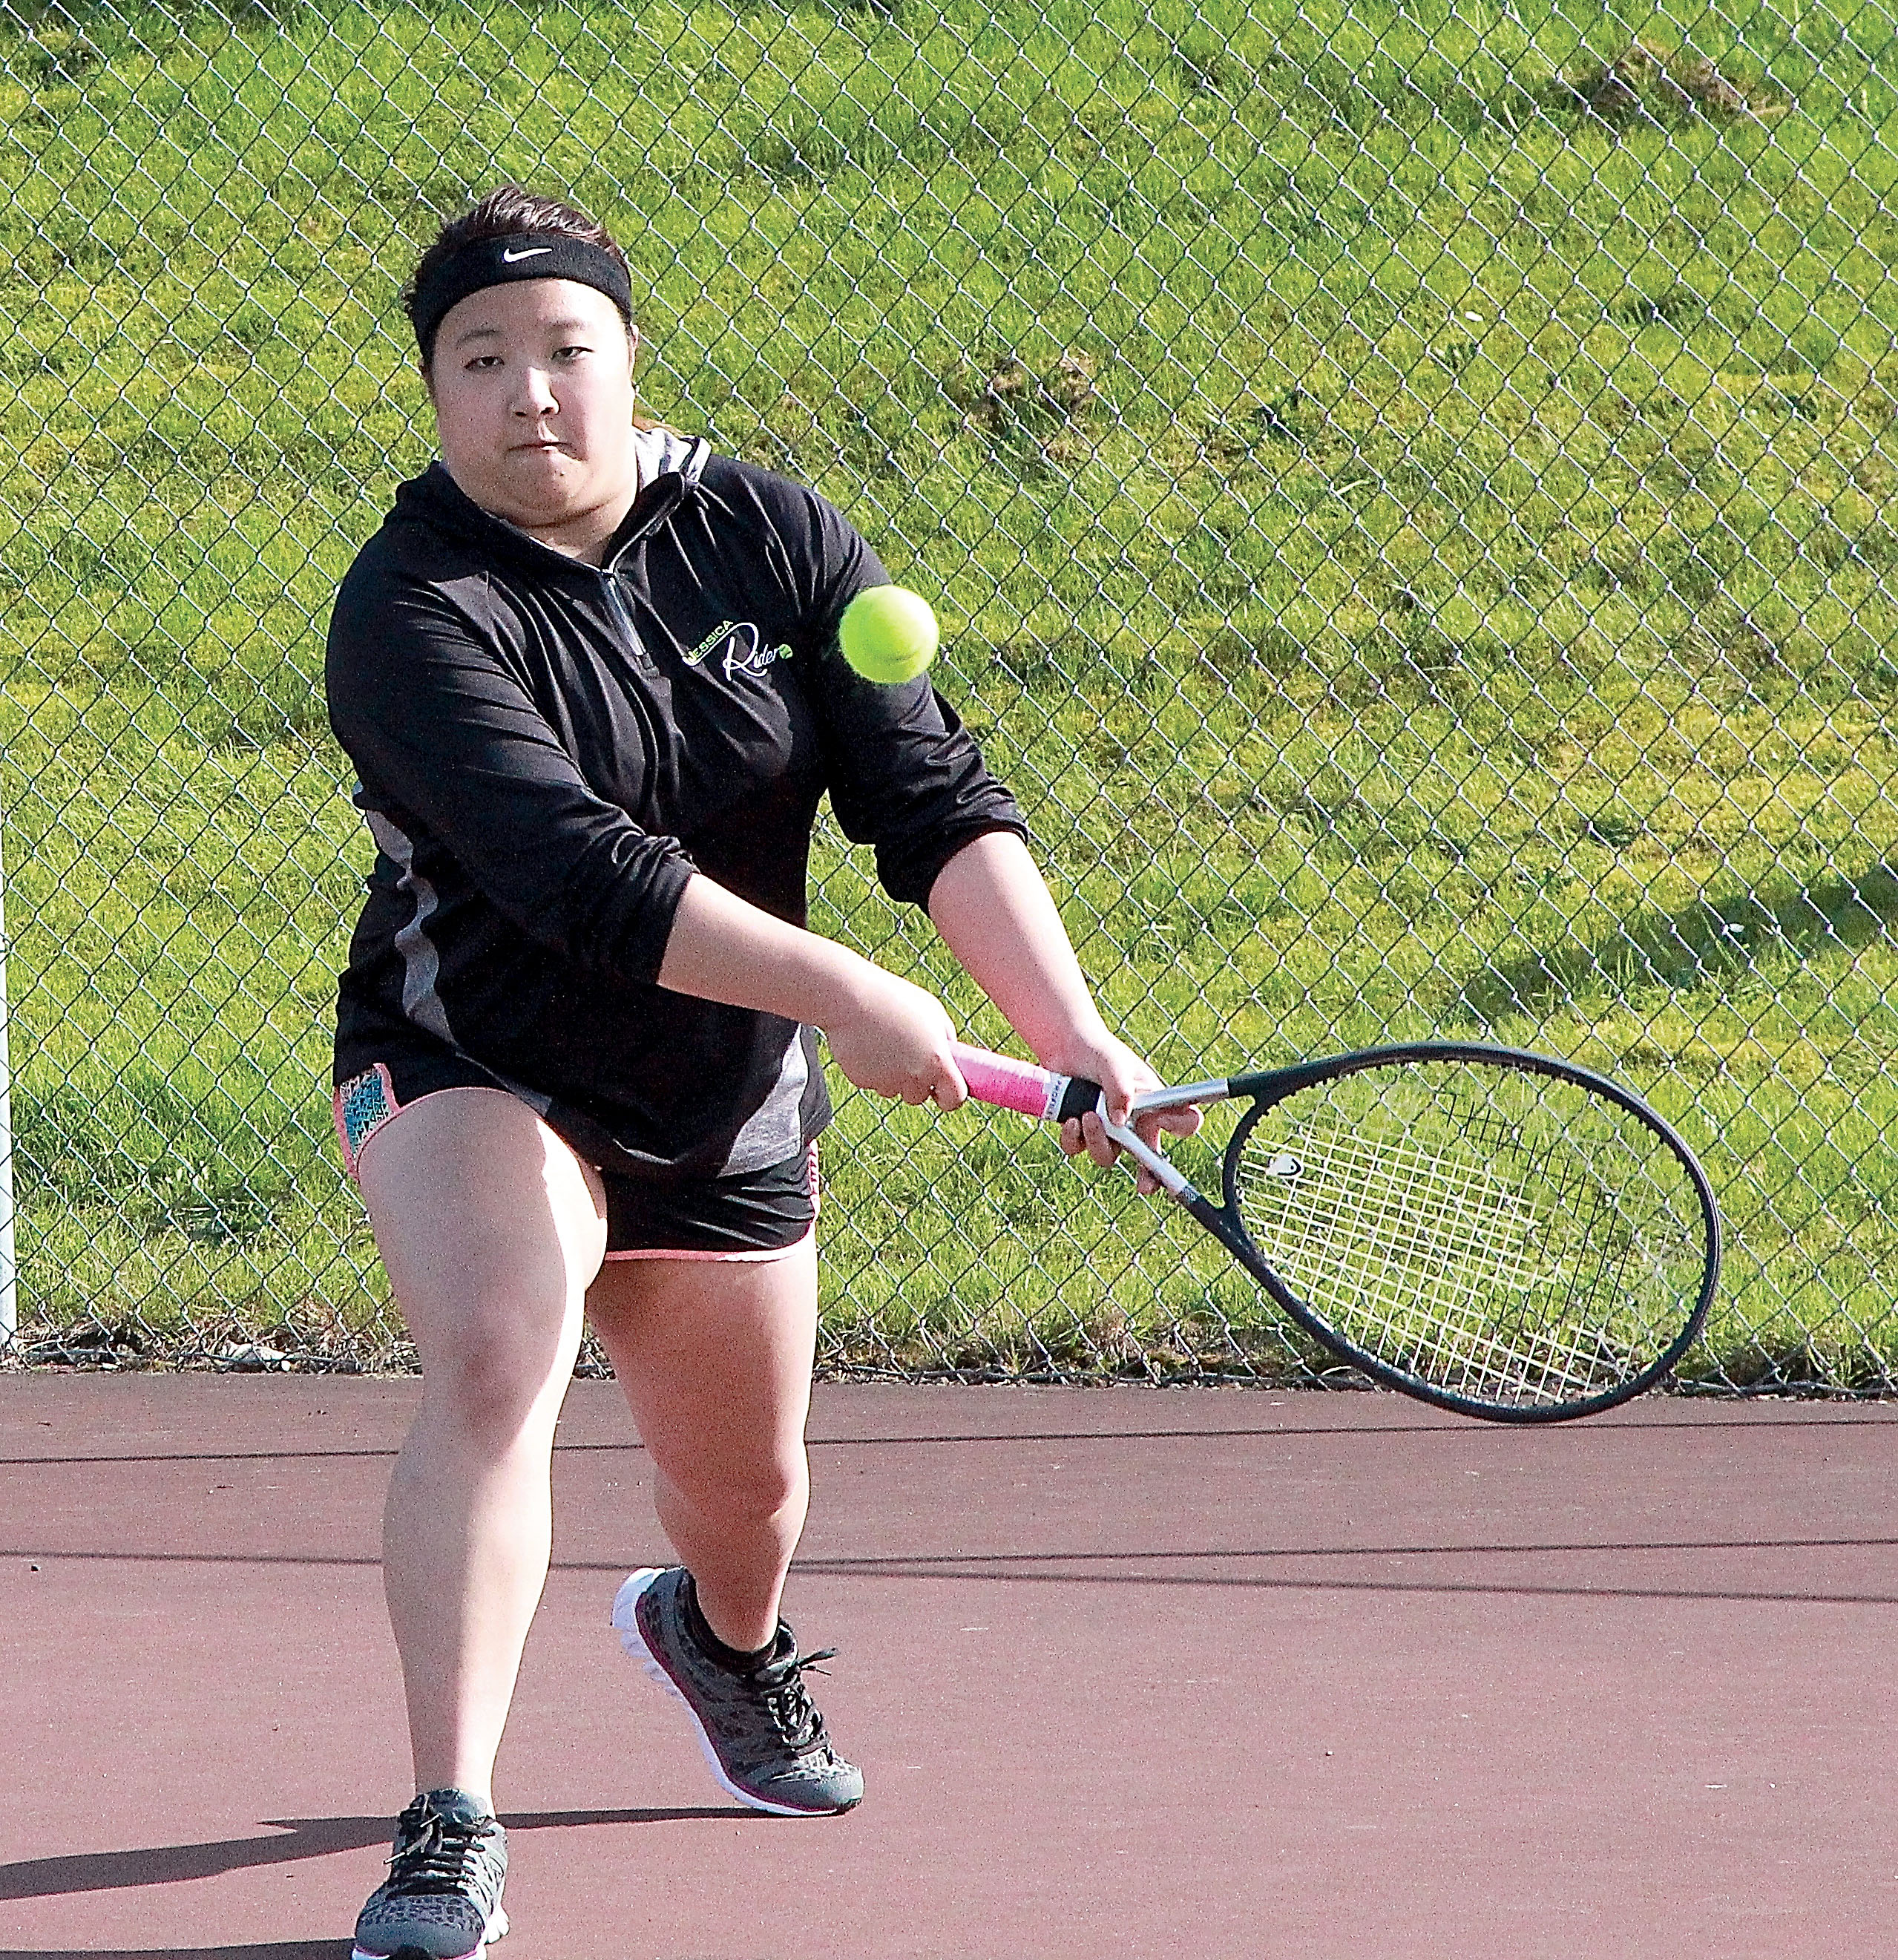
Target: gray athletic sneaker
765 1740
441 1900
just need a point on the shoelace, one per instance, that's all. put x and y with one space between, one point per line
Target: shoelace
788 1703
437 1857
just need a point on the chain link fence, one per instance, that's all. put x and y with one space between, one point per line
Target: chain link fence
1410 489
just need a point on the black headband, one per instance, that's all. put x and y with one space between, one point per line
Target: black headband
482 262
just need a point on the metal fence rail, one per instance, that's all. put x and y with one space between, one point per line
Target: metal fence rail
1410 490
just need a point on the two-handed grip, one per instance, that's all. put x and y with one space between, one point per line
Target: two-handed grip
1010 1084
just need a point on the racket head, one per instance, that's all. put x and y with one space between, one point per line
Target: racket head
1488 1229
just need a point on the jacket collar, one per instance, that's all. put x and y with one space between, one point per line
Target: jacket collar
670 467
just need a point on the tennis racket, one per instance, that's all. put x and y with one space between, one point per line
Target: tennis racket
1490 1230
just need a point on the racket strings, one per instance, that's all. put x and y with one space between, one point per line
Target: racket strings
1521 1253
1408 1256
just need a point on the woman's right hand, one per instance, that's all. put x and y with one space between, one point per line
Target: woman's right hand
894 1039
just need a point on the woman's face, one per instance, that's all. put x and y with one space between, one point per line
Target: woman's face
532 385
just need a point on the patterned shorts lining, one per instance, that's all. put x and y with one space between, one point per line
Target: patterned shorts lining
363 1105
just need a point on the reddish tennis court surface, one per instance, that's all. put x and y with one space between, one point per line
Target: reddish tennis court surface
1131 1672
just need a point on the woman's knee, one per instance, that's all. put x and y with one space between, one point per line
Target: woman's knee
768 1493
495 1381
490 1231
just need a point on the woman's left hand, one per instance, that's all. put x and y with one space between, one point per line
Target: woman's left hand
1123 1076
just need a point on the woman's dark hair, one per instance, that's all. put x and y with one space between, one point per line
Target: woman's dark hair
501 213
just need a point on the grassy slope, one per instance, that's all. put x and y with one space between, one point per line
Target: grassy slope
1424 557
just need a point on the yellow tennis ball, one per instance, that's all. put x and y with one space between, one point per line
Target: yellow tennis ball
888 634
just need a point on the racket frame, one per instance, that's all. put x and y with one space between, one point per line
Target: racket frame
1266 1088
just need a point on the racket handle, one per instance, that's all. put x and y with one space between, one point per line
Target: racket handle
1010 1084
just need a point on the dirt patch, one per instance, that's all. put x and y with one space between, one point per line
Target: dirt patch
1008 399
1648 83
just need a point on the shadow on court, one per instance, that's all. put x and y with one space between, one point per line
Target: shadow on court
1130 1671
289 1949
304 1837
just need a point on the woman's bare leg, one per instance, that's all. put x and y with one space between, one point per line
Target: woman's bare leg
714 1359
490 1230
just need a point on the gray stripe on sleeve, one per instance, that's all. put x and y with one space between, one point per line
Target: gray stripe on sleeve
421 964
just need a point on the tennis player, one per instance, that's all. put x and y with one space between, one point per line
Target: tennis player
588 672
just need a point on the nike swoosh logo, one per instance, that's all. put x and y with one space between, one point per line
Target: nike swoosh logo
508 258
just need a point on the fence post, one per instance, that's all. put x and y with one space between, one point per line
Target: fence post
9 1271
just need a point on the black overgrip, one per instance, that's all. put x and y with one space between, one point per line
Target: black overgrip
1079 1097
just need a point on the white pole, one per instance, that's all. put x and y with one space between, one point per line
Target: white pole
9 1272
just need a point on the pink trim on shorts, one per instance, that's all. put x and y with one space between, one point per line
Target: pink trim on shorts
754 1258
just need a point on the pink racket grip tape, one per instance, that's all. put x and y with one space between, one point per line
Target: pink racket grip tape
1010 1084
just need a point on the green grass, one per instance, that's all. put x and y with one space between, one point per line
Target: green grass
1422 553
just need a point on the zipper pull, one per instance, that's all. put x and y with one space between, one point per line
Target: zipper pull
623 613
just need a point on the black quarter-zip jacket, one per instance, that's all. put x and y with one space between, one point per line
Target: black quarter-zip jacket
548 749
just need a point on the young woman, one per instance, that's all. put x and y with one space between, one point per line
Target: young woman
588 672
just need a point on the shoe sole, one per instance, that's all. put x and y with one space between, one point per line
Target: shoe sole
497 1930
626 1624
